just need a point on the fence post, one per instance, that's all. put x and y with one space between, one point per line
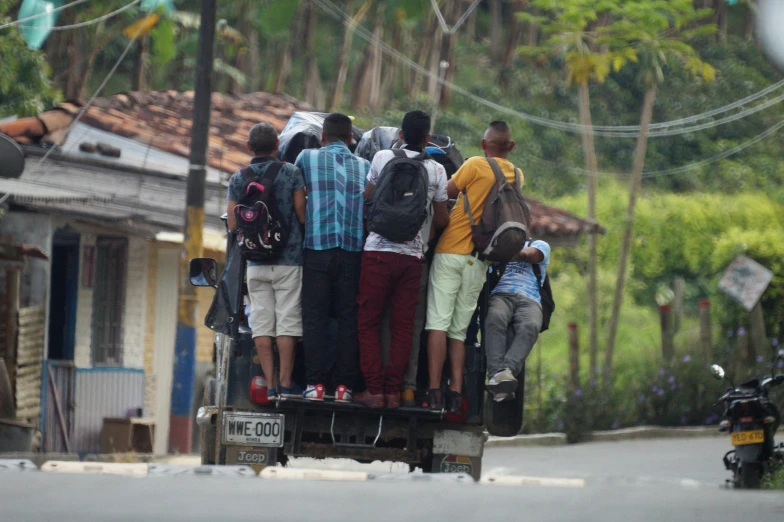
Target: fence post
665 312
706 342
757 329
678 302
574 357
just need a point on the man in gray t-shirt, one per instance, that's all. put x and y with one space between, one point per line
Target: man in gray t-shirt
275 287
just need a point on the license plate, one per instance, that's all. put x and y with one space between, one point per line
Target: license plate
741 438
253 429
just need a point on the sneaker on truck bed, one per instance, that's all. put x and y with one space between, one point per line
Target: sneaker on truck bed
343 394
370 400
293 392
314 392
408 399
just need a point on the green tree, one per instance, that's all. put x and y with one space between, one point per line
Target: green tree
575 31
25 85
654 32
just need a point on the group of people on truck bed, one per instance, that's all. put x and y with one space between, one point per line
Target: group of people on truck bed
337 260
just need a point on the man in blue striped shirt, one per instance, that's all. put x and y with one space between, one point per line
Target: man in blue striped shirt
335 181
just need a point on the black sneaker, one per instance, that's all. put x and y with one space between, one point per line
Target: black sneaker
454 402
433 400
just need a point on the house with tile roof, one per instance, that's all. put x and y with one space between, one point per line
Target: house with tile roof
104 199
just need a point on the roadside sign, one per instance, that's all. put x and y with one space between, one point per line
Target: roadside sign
745 280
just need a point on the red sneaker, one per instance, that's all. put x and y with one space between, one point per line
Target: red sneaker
258 390
314 392
343 394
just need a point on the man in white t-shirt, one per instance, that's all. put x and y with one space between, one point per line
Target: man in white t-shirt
391 274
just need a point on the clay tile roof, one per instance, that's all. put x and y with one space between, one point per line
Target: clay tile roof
163 119
555 222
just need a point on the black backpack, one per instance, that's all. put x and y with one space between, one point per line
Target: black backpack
398 207
546 297
262 232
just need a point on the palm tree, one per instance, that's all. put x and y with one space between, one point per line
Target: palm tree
652 30
570 31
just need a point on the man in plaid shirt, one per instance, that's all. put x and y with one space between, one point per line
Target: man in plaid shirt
335 181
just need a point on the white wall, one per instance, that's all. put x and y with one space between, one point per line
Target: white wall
84 310
135 312
166 293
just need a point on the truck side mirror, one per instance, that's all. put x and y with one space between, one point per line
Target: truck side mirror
204 272
717 371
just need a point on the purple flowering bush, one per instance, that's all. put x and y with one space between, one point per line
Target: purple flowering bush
679 394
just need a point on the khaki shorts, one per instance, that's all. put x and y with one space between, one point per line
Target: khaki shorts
456 280
275 304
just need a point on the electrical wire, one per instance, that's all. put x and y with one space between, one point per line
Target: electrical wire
605 131
40 15
465 16
444 27
89 22
325 4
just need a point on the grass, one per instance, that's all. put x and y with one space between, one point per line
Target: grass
775 480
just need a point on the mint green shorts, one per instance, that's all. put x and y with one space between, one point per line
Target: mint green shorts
456 280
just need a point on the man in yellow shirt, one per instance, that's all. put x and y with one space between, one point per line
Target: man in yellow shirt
457 274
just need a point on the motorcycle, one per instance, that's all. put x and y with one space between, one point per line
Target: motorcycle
751 419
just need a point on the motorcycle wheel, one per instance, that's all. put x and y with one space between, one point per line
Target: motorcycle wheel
750 476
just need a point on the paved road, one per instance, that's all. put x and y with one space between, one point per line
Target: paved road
624 482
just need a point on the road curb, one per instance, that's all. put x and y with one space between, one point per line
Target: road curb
636 433
542 439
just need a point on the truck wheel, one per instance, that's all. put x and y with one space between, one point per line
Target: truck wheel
209 434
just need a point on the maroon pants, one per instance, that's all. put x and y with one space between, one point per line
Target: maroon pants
394 278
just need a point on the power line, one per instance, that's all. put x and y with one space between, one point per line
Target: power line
325 4
40 15
605 131
89 22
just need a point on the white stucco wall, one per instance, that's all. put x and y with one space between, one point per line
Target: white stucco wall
84 310
134 318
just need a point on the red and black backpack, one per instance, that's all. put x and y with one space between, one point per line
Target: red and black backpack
262 231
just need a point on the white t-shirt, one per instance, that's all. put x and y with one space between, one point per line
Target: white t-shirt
436 191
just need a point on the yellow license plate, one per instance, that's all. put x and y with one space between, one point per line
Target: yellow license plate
740 438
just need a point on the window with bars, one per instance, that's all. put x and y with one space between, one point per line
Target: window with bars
111 263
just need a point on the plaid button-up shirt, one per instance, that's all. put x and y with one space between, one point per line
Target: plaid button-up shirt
335 180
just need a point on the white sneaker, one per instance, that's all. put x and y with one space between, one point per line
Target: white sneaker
501 397
502 382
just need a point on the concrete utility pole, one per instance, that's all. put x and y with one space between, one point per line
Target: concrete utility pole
185 349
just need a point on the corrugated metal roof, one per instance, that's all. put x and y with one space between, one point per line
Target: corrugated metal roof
26 191
112 195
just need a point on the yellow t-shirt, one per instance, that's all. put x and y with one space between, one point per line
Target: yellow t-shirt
475 179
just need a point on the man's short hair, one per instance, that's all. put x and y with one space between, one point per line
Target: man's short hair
262 138
415 127
499 135
338 126
500 126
